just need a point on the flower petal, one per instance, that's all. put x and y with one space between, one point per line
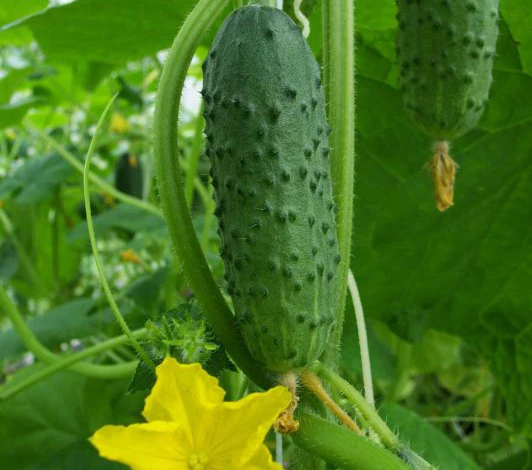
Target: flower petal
147 446
183 393
262 460
237 429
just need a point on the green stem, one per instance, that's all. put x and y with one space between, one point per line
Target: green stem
173 200
362 339
61 363
194 157
103 281
44 354
469 419
341 447
339 58
98 182
388 438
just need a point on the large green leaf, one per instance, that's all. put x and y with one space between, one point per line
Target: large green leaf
57 414
466 271
123 216
35 179
108 31
11 11
427 440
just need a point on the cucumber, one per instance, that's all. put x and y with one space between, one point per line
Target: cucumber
445 50
267 140
128 175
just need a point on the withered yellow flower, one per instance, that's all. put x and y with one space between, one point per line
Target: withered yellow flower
190 427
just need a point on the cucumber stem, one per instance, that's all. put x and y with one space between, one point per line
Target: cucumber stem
443 170
313 383
386 435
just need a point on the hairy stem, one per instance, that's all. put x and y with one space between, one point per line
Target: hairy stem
339 60
341 447
386 435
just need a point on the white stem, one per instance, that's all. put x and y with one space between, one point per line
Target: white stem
302 18
362 339
280 4
279 448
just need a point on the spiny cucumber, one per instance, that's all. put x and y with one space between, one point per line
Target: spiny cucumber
267 139
445 50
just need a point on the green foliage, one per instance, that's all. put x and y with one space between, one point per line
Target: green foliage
465 271
427 440
55 418
447 295
35 179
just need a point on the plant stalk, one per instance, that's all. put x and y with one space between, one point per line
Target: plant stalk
339 78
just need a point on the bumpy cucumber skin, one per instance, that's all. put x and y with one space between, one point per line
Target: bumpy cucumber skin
267 138
445 50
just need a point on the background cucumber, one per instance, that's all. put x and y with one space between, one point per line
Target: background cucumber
128 175
445 50
267 138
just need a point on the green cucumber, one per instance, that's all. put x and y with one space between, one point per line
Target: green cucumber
128 175
445 50
267 139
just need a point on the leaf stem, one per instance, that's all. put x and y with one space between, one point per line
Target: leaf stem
97 181
103 281
362 339
339 59
61 363
173 200
44 354
386 435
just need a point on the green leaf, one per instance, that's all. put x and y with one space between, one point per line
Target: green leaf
108 32
36 179
62 323
428 441
81 456
123 216
11 11
11 114
466 271
58 413
11 82
519 461
519 17
8 261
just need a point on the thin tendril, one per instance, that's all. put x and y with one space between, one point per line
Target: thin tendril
103 281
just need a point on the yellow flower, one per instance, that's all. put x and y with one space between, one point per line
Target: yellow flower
190 427
118 123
